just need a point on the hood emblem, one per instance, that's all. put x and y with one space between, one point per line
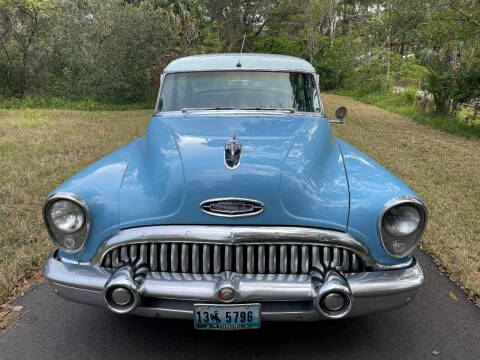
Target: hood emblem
232 207
233 153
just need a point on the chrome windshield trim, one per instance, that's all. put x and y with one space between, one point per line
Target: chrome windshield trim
239 235
162 77
165 73
238 112
303 71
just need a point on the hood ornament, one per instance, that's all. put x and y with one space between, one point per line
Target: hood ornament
233 153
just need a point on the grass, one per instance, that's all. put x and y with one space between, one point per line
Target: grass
399 105
442 169
39 149
41 102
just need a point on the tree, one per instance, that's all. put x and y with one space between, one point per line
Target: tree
21 25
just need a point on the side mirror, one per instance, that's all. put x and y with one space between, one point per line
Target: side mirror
340 115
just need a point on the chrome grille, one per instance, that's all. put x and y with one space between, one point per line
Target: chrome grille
244 259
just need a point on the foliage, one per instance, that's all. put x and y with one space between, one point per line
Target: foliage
110 51
115 50
278 45
439 82
333 62
409 95
467 90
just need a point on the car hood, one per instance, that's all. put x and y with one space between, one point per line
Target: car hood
290 162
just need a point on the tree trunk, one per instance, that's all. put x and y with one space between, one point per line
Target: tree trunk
333 21
389 50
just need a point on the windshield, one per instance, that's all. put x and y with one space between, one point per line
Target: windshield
239 90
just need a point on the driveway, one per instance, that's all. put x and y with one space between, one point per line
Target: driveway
438 324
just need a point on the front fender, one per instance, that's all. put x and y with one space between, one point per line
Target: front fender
98 185
371 186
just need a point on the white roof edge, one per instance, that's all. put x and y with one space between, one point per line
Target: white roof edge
249 61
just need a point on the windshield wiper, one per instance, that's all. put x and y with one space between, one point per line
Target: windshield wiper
184 110
289 110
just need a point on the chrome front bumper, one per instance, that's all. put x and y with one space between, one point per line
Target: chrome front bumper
283 297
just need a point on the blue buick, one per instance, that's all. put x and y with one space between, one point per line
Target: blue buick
237 206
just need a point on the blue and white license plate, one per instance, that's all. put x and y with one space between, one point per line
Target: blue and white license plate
226 317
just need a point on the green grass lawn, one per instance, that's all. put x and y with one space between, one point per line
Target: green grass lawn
398 105
39 149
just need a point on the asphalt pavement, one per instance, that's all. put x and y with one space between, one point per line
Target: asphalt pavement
433 326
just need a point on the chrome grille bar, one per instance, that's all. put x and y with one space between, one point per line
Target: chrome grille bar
217 259
153 257
261 259
239 259
293 259
305 259
228 258
315 255
195 258
164 257
272 259
174 257
185 259
283 259
252 259
206 259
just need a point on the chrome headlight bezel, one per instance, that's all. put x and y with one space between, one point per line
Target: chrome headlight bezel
58 236
412 239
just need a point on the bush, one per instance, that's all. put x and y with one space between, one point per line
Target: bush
439 81
11 76
333 62
371 75
278 45
108 51
409 95
467 91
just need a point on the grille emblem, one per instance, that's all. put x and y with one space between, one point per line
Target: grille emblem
232 207
233 153
226 293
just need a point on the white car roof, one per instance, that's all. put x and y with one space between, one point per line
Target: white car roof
223 62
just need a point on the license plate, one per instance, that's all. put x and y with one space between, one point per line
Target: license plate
226 317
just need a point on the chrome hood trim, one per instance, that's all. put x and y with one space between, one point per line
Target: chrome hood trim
249 207
213 234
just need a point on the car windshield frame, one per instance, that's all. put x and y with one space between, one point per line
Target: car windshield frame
317 112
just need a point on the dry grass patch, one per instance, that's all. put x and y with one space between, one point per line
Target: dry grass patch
39 149
443 169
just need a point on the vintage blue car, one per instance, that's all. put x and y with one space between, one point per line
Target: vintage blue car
238 205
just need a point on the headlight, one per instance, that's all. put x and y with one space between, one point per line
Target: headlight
66 218
402 222
66 215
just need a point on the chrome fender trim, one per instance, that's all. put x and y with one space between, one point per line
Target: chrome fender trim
240 235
